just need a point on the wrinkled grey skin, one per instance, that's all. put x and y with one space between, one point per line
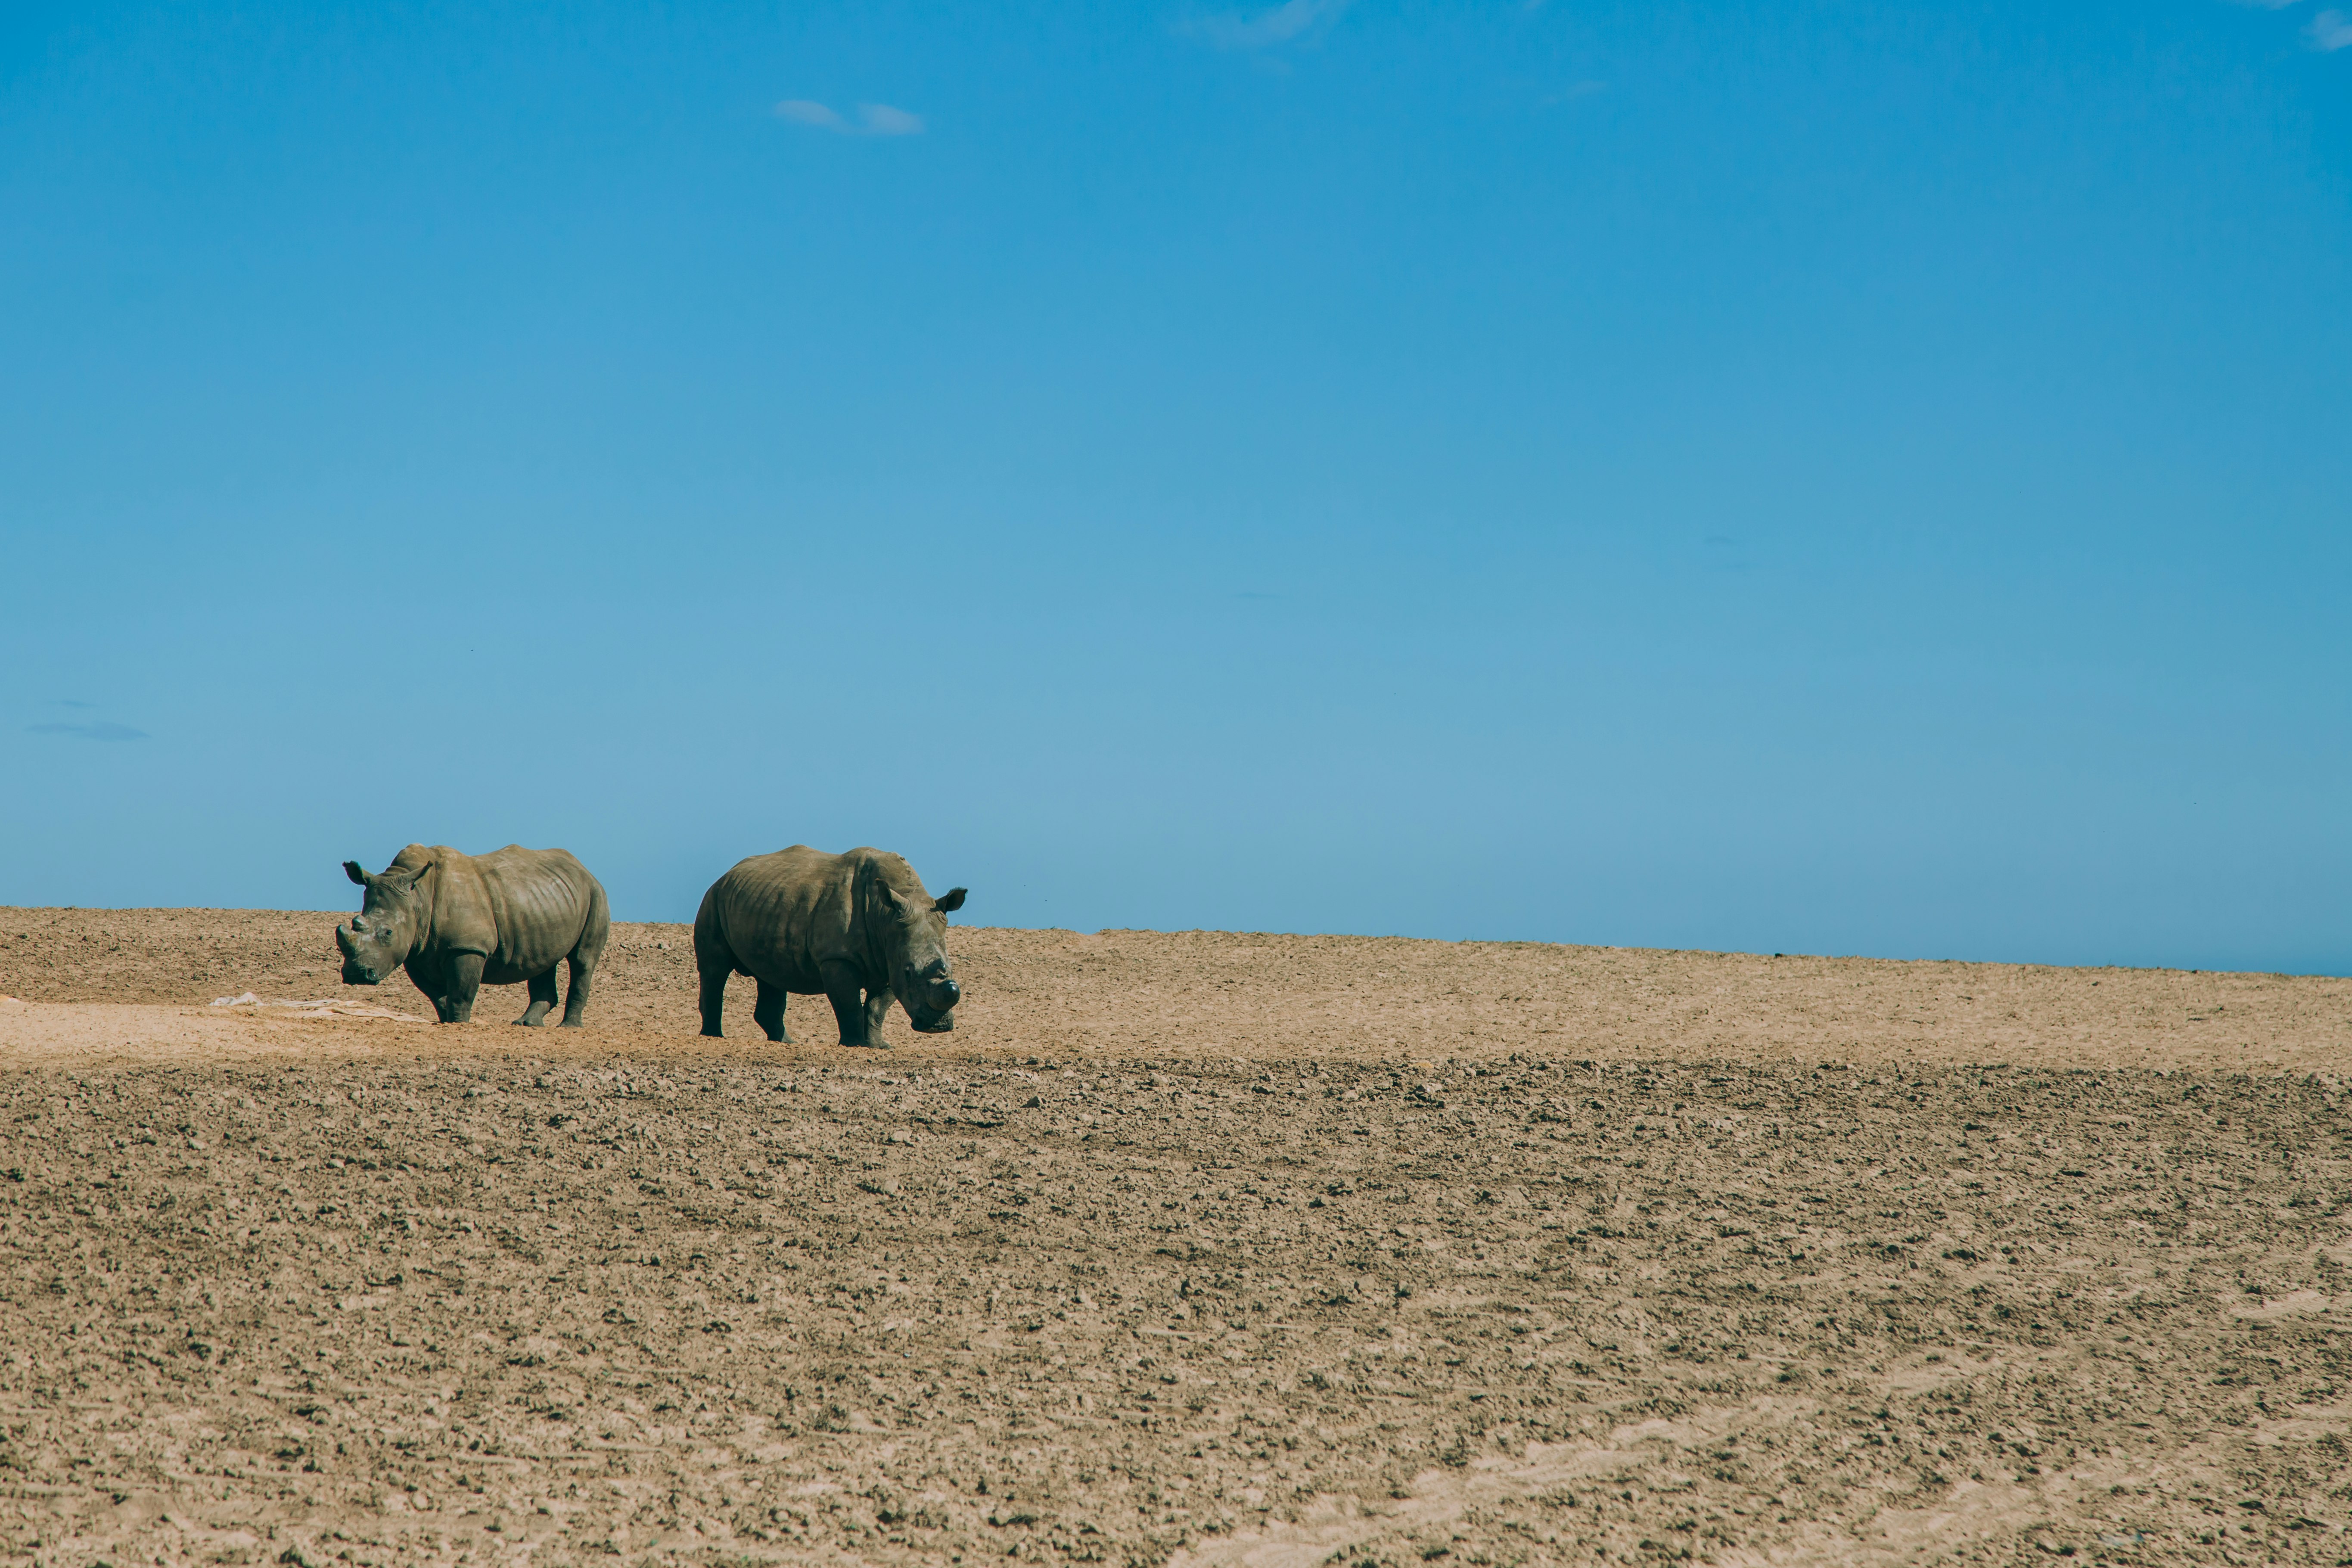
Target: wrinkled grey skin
461 921
857 928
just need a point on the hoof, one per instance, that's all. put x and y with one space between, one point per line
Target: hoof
712 1034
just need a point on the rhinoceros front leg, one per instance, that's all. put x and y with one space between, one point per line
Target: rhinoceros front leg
848 998
542 1001
465 980
878 1009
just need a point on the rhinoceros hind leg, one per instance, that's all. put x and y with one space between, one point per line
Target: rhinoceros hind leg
575 999
714 1000
714 961
768 1012
585 955
542 1001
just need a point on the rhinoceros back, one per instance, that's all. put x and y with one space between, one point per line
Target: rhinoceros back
778 918
523 909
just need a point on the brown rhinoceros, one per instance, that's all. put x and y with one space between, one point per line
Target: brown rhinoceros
460 921
857 926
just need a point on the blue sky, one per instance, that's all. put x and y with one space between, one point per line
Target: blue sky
1811 478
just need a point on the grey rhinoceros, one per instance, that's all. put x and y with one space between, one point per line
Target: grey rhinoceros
857 926
459 921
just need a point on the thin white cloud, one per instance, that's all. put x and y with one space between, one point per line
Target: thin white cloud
873 119
805 111
881 120
1268 28
2331 31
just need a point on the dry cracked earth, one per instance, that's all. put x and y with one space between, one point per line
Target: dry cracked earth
1192 1248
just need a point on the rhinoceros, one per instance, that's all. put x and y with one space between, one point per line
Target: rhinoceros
857 926
459 920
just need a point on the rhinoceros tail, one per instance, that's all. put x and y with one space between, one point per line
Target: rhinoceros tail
710 942
599 925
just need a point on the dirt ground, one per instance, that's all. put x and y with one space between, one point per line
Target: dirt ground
1198 1248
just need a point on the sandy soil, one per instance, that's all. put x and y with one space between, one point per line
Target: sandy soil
1197 1249
1253 996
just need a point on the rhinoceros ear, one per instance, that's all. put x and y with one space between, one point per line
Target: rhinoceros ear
950 904
351 869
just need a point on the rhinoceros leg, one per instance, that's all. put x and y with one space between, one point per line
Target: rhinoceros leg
848 998
427 977
878 1008
715 969
542 1001
768 1012
575 999
465 973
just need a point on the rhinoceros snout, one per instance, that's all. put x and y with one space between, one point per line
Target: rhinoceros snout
929 990
355 973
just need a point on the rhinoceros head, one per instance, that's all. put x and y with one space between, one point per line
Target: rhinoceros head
378 940
915 940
